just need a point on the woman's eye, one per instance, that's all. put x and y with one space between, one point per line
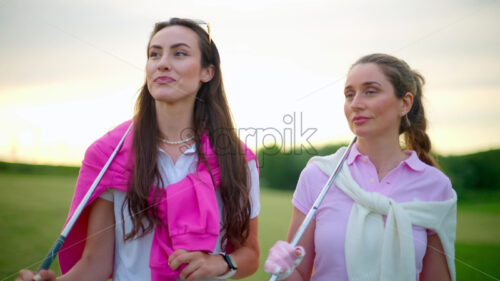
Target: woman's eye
349 95
154 55
180 54
370 91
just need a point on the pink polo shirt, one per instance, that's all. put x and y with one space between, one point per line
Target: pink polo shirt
411 180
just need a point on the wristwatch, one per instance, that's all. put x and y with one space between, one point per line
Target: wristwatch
231 263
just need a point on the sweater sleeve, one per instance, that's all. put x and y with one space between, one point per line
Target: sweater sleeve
189 218
117 175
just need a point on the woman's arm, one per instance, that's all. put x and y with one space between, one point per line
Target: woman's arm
201 264
247 256
97 258
435 266
304 269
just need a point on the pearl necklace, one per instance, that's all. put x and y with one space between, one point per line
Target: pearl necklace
175 142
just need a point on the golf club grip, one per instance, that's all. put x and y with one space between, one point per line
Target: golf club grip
52 253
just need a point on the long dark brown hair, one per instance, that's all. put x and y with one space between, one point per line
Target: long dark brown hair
405 80
211 115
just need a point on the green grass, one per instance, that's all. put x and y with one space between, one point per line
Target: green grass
33 209
477 261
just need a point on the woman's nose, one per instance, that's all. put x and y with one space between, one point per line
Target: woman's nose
164 63
357 101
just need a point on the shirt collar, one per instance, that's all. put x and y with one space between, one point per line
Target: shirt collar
191 149
354 154
413 162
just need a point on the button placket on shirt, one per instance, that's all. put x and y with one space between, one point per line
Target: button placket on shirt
372 183
391 178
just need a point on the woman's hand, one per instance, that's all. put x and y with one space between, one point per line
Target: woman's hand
283 259
304 270
43 275
199 264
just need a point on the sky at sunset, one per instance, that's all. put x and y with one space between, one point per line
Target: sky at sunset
70 70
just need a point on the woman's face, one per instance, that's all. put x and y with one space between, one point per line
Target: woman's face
371 106
173 69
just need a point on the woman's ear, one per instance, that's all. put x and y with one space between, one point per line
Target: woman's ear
207 73
407 102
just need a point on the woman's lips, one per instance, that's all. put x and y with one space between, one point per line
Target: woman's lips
360 120
164 80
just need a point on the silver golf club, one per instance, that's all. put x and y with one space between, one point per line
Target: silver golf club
315 207
60 240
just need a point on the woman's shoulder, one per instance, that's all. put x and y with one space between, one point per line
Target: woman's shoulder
328 163
312 170
105 145
443 189
313 177
249 154
309 186
436 186
113 136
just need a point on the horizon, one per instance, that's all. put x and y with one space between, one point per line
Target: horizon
259 149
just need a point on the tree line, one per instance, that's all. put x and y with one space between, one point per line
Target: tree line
476 172
471 172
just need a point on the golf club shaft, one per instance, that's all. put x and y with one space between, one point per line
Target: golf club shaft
60 240
319 199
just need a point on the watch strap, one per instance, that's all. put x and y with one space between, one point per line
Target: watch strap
229 274
232 266
229 261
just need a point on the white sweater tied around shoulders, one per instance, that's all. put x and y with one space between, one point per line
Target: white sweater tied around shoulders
375 252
